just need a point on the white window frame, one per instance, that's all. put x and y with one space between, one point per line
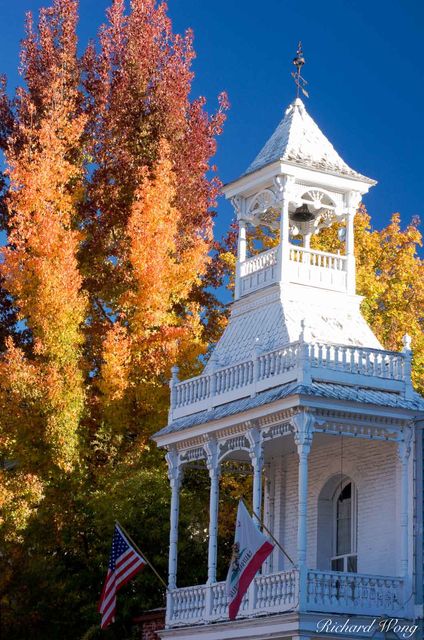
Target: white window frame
353 524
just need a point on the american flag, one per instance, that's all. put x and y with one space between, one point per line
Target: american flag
124 563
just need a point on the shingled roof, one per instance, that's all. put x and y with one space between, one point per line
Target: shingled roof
299 140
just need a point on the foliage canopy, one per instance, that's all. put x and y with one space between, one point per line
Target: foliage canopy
106 280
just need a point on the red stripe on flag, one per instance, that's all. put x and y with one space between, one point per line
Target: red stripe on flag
122 577
127 554
105 588
109 590
125 567
111 593
109 617
122 566
247 576
132 574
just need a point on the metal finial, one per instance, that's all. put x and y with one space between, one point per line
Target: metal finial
298 62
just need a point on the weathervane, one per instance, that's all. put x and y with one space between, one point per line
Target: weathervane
298 62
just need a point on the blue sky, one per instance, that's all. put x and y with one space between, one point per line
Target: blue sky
365 67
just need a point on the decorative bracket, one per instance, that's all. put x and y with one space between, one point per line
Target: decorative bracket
304 427
404 445
237 202
353 199
175 469
254 436
284 185
212 456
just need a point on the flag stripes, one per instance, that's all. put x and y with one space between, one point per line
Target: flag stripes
124 563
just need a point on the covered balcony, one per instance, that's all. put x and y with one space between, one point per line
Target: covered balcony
333 492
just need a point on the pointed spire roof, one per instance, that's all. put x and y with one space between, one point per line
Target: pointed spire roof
299 140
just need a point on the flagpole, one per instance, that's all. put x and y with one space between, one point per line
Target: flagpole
142 555
273 537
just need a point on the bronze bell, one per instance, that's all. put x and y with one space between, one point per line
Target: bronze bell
302 214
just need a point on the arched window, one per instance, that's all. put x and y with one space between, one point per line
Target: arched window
344 528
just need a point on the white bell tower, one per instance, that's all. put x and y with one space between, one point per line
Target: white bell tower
296 186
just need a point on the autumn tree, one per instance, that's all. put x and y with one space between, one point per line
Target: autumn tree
147 215
106 202
41 392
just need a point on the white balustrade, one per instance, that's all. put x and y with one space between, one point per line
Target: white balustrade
188 604
277 362
274 593
307 266
318 268
362 360
219 601
354 593
328 591
334 363
277 591
258 271
259 261
317 258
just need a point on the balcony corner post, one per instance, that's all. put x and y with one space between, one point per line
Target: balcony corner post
303 425
208 602
304 375
212 383
255 373
407 354
172 385
169 608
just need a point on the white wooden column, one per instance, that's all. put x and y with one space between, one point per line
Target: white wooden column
175 476
256 456
352 200
214 474
254 437
241 256
267 511
419 471
404 450
280 507
239 203
284 185
242 242
303 431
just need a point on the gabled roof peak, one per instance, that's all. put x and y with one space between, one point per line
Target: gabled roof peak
299 140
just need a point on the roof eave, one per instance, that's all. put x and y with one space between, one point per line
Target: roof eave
250 180
295 399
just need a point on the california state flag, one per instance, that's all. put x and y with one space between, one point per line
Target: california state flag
250 550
